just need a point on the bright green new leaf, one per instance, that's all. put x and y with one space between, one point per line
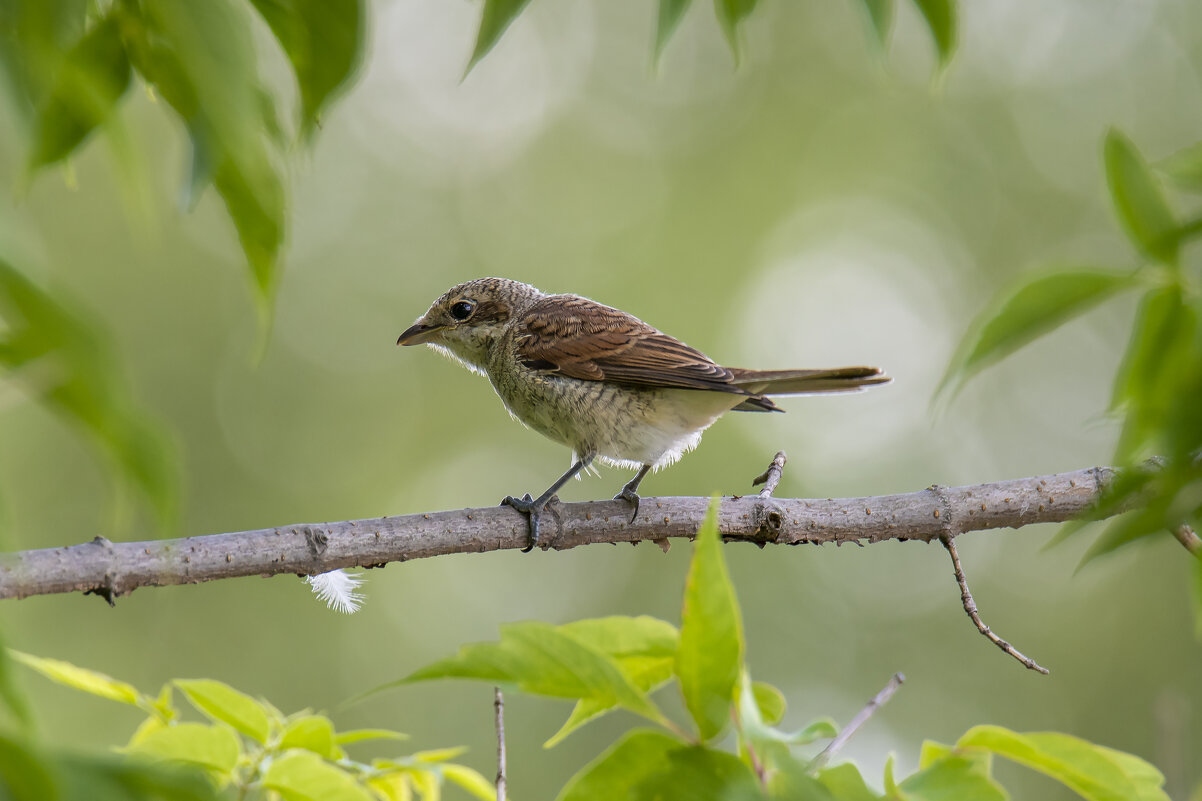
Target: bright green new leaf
214 747
470 780
312 733
880 14
64 359
940 16
671 12
1091 771
1139 200
625 636
615 773
770 701
201 59
302 776
91 78
219 701
89 681
435 755
710 656
497 16
846 784
646 673
953 778
323 40
731 14
23 775
1185 166
359 735
1038 305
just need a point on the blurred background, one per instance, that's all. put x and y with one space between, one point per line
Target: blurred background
822 204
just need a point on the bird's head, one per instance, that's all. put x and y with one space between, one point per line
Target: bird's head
467 319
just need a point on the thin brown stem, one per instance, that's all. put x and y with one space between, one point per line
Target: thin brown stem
878 700
1186 535
970 606
770 478
499 708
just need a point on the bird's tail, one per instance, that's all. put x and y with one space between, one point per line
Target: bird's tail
802 382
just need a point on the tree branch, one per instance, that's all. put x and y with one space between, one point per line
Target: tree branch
499 712
113 569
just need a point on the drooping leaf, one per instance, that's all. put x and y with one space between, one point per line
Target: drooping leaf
221 702
323 40
470 780
312 733
90 79
940 16
90 681
710 656
880 14
213 747
1091 771
1039 304
302 776
200 57
616 772
65 359
731 14
496 18
671 12
646 673
1139 200
953 777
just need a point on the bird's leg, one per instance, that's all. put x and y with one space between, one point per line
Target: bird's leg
628 492
533 509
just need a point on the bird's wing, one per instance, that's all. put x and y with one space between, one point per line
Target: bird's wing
580 338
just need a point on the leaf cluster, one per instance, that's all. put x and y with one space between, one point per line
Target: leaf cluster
612 663
1159 381
245 748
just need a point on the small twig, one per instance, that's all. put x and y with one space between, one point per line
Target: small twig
970 606
1189 538
499 706
756 765
878 700
770 478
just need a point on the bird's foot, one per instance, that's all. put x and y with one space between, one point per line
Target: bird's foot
632 497
533 510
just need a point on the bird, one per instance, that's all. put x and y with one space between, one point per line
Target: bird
601 381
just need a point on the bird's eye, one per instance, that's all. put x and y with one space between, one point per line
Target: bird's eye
463 309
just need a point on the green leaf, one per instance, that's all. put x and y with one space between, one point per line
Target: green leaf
302 776
731 14
24 776
201 59
359 735
846 784
312 733
497 16
222 702
34 36
940 16
671 12
614 774
770 701
710 655
106 779
1185 166
323 40
1039 304
89 681
791 782
64 359
435 755
625 636
953 778
1089 770
880 14
91 78
1139 200
646 673
699 774
213 747
470 780
541 660
9 693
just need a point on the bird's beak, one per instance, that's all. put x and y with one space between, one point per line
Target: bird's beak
418 333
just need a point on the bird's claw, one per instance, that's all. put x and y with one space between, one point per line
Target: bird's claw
630 496
533 512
